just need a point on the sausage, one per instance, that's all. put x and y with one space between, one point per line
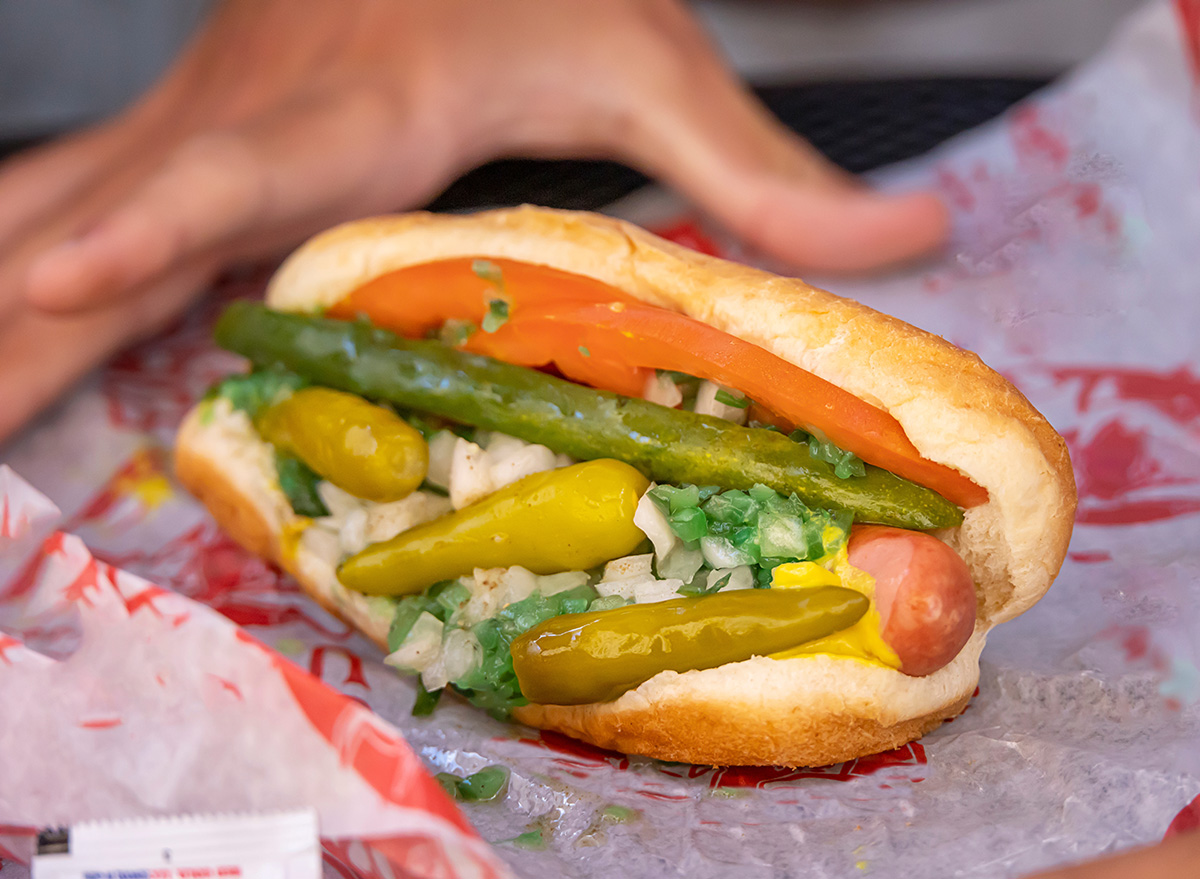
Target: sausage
924 593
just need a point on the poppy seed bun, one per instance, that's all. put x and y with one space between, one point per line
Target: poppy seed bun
802 711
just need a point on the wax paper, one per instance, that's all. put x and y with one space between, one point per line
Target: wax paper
1072 270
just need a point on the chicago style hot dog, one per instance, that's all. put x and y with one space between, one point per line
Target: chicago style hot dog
604 485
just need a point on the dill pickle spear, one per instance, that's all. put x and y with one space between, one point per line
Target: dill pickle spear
361 448
667 445
578 658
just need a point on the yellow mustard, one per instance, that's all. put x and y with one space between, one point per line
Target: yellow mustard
862 641
289 538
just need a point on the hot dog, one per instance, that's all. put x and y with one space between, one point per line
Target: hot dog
924 593
922 501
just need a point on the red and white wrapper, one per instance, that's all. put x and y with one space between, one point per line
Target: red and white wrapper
122 698
1073 270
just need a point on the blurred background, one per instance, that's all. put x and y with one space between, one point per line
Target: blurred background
869 82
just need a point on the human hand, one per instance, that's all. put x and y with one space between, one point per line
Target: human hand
1176 858
284 117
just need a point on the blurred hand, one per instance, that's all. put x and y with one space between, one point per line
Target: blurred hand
1177 858
284 117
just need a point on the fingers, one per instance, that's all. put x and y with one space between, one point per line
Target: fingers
671 108
46 194
62 222
847 231
775 192
53 178
695 127
1177 858
208 188
41 179
302 165
240 67
45 354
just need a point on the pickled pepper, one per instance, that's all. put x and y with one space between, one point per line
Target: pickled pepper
569 519
361 448
580 658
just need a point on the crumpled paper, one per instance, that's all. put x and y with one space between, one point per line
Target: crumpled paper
123 698
1072 271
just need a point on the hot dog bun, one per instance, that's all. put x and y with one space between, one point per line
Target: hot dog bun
804 711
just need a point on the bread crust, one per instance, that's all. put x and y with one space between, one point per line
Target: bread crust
801 711
792 736
222 462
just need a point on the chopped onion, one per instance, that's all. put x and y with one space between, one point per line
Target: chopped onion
441 457
708 404
649 591
630 567
517 584
486 595
552 584
510 464
434 675
741 577
681 563
661 388
322 542
620 588
339 503
500 444
719 552
422 646
470 477
650 519
385 521
353 536
461 654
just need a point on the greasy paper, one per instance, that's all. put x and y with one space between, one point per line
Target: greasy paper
1072 270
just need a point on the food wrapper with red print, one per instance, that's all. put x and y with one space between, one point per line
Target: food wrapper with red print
124 699
1072 270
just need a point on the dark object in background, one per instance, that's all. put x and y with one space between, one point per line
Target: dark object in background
54 841
859 125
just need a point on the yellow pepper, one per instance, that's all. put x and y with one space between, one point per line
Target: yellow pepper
570 519
361 448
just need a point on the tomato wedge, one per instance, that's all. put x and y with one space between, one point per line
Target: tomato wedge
418 299
573 334
602 337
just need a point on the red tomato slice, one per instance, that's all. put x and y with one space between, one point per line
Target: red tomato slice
654 338
597 335
418 299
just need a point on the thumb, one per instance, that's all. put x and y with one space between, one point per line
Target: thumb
707 136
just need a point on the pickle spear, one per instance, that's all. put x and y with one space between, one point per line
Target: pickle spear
667 445
596 656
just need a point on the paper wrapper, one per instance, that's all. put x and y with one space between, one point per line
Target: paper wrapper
1072 270
122 698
